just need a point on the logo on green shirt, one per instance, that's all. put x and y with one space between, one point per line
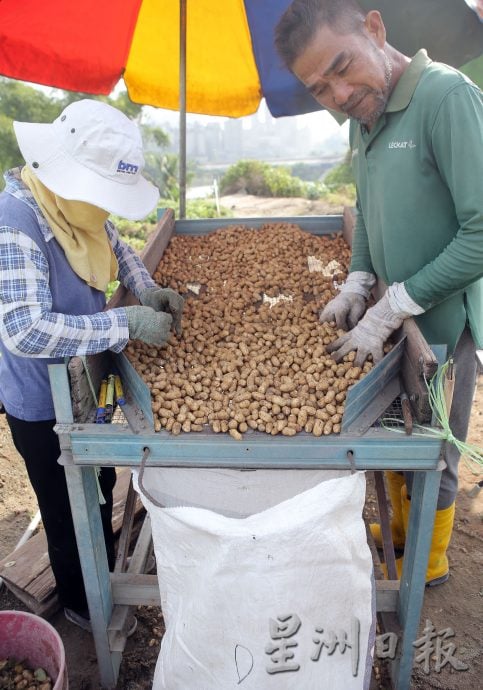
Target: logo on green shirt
401 144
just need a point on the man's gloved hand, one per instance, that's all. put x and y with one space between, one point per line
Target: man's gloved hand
347 308
148 325
167 300
370 334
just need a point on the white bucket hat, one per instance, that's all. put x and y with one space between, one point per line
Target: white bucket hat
94 153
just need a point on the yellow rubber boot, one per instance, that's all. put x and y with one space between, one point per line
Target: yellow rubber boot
394 483
438 567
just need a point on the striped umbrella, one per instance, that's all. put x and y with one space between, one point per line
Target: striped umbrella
230 59
201 56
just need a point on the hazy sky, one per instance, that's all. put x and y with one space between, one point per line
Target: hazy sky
321 123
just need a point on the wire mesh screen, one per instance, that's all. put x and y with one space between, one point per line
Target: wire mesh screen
393 416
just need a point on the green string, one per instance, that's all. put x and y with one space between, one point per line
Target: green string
471 453
83 359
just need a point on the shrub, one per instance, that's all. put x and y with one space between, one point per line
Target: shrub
245 176
340 174
197 208
261 179
281 183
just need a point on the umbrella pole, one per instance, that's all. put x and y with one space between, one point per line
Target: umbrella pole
182 108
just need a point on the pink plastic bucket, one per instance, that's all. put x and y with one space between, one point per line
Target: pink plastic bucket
30 638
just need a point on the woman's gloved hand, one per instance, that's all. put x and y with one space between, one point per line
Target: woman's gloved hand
348 307
164 300
150 326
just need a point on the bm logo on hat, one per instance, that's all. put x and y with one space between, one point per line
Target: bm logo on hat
129 168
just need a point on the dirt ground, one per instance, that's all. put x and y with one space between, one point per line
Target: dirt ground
249 206
457 605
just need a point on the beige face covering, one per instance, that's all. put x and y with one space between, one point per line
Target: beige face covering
79 229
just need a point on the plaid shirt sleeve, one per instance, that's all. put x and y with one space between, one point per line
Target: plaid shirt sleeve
133 274
28 327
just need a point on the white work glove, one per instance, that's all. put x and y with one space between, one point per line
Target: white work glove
167 300
370 334
347 308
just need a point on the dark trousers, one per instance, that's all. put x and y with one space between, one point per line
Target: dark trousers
38 445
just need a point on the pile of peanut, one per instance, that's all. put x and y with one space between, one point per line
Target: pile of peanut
17 675
245 361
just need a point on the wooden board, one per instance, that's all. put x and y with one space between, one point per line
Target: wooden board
150 256
349 224
27 572
83 403
418 365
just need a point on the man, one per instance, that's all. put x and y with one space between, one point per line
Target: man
58 251
416 134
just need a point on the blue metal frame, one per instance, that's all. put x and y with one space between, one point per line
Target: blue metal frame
377 449
424 498
86 516
317 225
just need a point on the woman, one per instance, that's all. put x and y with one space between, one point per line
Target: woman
58 252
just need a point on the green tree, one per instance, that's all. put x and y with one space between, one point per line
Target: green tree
163 171
341 174
10 155
19 101
122 101
155 136
161 168
25 104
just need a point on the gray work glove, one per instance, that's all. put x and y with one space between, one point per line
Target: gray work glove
370 334
348 307
167 300
148 325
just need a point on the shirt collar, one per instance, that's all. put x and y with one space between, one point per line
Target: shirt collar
16 187
406 86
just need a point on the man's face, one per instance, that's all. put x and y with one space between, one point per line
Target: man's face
349 73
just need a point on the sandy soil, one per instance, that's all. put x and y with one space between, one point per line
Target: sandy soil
249 206
457 605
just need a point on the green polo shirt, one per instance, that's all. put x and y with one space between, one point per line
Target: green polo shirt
419 176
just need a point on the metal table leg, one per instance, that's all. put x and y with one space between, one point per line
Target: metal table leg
411 593
84 502
86 515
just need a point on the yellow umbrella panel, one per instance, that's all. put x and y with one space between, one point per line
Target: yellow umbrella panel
218 43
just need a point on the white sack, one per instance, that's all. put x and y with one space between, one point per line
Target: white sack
232 591
234 493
